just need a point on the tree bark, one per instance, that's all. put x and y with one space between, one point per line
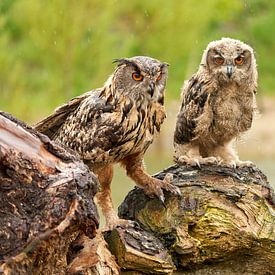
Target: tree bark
46 201
222 224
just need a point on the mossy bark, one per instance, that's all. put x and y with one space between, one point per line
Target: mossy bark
223 223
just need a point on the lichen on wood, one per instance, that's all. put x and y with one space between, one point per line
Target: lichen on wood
223 222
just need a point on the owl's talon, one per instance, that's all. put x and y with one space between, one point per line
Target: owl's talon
211 160
246 163
172 189
237 163
229 164
197 161
154 189
168 186
162 198
185 160
157 186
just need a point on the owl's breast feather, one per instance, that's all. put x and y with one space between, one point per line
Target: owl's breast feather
231 116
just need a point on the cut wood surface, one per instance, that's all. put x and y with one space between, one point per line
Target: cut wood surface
46 198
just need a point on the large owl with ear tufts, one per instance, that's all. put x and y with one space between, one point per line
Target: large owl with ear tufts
116 124
218 104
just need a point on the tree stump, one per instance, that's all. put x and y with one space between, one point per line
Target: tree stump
46 201
223 223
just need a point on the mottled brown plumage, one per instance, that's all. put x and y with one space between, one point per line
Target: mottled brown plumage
116 124
218 104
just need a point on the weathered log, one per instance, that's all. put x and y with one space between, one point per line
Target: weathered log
139 250
224 223
93 257
45 201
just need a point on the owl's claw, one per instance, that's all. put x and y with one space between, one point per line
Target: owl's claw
154 189
229 164
246 163
185 160
197 161
237 163
162 198
168 186
157 186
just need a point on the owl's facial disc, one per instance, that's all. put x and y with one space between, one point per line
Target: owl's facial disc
238 62
228 68
141 78
230 65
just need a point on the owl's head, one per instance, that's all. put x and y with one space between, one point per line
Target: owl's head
141 78
230 60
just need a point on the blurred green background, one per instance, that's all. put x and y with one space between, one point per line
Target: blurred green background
51 51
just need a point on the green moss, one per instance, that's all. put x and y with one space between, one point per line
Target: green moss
158 218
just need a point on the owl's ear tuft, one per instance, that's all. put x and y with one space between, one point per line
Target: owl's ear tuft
120 61
126 61
164 64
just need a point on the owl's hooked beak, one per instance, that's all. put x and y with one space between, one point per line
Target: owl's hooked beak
229 70
151 89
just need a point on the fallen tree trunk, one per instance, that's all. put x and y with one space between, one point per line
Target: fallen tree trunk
224 223
45 201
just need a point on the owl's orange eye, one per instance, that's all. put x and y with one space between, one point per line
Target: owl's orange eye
239 60
218 60
137 76
159 77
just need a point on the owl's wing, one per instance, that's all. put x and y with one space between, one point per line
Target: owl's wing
51 124
88 124
195 94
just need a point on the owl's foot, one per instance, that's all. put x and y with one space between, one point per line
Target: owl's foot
168 186
197 161
237 163
245 163
156 186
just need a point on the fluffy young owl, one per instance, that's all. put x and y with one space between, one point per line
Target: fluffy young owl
116 124
218 104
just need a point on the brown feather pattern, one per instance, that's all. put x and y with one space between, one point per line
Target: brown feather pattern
217 107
